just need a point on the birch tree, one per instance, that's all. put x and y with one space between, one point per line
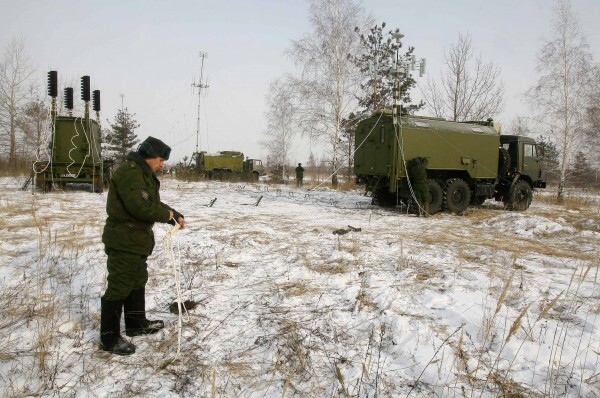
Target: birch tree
15 77
561 95
327 88
592 119
281 123
468 88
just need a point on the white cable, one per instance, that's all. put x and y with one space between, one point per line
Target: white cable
75 147
176 263
400 139
51 122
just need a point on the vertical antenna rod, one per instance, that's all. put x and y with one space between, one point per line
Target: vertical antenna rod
200 85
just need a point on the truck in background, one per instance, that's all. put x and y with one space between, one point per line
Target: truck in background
228 165
468 162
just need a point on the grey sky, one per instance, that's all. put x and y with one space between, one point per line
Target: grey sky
148 51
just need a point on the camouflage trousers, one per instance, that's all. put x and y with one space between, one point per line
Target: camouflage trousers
422 194
126 272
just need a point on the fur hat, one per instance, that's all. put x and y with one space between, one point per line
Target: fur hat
154 148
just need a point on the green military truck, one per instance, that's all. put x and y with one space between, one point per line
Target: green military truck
228 165
468 162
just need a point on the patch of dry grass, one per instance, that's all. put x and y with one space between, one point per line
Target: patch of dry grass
298 288
331 267
573 199
499 241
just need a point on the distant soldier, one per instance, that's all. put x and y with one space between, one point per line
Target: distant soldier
133 206
299 175
420 185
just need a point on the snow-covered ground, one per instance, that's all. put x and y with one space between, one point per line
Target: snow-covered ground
487 304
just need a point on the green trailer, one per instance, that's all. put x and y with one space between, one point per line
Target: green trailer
468 162
76 156
75 146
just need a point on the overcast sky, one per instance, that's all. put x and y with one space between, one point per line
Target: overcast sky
145 53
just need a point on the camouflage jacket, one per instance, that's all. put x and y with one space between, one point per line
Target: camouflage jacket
133 206
418 175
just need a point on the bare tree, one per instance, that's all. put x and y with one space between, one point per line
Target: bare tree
15 77
520 125
326 91
561 94
469 89
32 123
281 124
592 119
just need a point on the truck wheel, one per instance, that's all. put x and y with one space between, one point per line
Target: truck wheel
456 195
436 197
520 196
503 162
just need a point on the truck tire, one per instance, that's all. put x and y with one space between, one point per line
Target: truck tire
520 196
436 197
503 162
457 195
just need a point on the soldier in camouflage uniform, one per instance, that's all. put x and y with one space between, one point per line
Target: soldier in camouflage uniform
133 206
299 175
420 185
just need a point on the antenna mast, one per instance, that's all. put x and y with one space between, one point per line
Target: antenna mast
200 85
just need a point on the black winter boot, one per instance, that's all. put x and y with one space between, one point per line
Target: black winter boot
136 323
110 329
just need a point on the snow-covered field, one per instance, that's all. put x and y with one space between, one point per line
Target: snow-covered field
491 303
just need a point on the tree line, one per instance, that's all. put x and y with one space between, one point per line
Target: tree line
336 86
25 121
341 79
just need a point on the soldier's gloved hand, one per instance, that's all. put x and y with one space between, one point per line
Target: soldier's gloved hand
179 218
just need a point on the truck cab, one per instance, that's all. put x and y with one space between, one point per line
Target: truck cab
525 157
255 165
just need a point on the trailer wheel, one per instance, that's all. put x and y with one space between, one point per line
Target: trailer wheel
436 197
456 195
520 196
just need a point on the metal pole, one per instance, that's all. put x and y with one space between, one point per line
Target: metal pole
200 86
